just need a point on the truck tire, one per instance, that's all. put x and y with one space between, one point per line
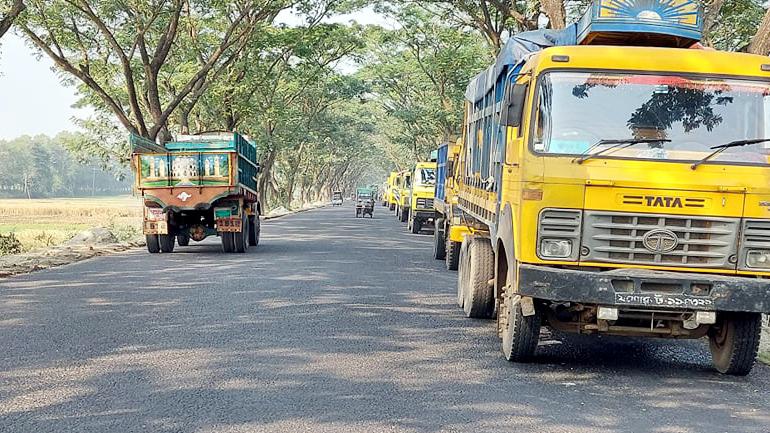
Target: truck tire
520 334
167 243
462 269
153 244
416 226
241 239
735 342
404 214
183 240
452 254
479 266
392 207
228 244
439 240
254 229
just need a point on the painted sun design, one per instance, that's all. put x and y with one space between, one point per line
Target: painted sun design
672 11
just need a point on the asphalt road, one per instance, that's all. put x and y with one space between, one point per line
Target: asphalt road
333 324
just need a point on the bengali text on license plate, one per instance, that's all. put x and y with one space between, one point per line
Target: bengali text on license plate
674 301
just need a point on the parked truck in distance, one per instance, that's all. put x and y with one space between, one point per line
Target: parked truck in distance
198 186
421 193
615 180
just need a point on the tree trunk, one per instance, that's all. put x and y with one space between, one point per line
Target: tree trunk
554 10
760 43
6 21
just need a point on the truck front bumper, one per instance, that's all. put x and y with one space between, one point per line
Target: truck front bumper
635 288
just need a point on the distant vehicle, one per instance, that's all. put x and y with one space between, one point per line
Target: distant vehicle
337 198
364 203
389 199
198 186
401 190
446 242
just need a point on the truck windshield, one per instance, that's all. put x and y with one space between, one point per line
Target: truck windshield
689 115
426 177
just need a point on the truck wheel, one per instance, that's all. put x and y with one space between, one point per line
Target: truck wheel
416 226
167 243
392 207
404 214
228 244
452 254
462 269
479 270
734 342
241 239
439 240
183 240
254 229
519 334
153 244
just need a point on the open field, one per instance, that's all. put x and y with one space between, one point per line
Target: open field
39 223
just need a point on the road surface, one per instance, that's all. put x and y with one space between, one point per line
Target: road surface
333 324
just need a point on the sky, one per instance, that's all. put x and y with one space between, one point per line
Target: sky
33 100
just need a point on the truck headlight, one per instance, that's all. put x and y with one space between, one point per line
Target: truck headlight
556 248
758 259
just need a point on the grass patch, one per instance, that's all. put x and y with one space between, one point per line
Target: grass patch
40 223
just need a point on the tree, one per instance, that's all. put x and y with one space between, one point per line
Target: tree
760 43
9 10
121 52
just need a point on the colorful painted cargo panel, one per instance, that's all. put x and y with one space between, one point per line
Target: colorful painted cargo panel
197 169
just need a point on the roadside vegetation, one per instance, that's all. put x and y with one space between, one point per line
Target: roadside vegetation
27 225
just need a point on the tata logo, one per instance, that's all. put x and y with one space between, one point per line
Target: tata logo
660 241
655 201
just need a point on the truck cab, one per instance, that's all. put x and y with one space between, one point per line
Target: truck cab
390 191
421 194
403 187
625 189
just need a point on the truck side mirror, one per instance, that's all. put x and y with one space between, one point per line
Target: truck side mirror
450 168
514 105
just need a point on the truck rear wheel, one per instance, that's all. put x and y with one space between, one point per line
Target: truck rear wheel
462 265
228 244
183 239
153 244
439 240
254 229
404 214
452 254
392 206
734 342
478 269
415 225
241 239
519 333
167 243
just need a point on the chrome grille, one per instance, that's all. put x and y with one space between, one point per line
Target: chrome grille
619 238
425 203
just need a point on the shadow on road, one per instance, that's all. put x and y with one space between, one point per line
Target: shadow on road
332 324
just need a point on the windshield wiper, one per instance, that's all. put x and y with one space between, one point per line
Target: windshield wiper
616 144
722 147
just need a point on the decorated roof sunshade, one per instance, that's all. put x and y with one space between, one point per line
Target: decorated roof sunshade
667 23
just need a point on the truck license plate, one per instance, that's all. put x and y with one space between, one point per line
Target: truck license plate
664 300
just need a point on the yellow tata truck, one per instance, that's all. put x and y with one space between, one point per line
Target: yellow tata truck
389 198
421 194
401 193
616 180
447 214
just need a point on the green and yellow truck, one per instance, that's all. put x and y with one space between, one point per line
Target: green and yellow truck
615 179
198 186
